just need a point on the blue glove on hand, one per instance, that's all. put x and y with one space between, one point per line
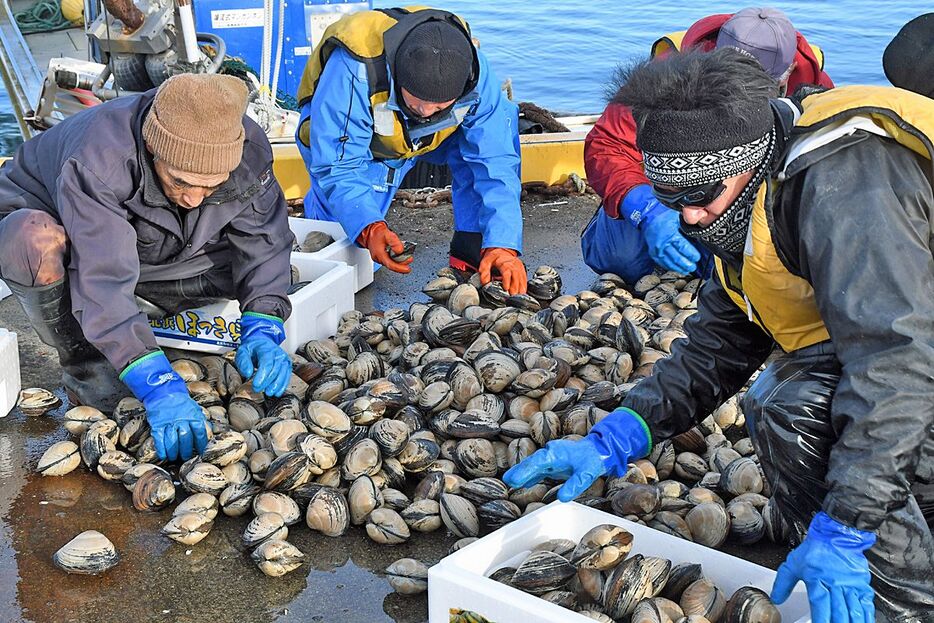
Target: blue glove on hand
259 352
831 563
660 228
608 448
177 422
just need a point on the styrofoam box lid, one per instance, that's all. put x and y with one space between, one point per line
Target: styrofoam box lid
470 566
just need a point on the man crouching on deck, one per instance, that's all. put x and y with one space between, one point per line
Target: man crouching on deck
161 201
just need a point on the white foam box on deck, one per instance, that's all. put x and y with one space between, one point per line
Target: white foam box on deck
10 382
341 250
4 291
460 582
316 310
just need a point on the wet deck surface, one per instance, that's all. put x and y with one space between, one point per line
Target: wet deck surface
159 580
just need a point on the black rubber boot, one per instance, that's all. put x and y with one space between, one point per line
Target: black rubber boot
465 252
88 377
158 299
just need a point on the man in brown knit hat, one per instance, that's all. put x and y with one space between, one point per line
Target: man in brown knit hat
162 201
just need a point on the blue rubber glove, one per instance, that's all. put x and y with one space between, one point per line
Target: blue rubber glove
831 563
259 353
177 422
609 447
660 228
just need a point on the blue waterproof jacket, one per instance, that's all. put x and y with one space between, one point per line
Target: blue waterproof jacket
350 186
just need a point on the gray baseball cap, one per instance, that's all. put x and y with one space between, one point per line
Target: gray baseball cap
765 33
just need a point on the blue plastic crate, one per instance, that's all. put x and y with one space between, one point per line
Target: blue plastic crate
240 24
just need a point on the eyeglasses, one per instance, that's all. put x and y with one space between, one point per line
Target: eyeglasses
699 196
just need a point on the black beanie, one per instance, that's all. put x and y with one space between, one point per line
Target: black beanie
434 62
908 60
701 117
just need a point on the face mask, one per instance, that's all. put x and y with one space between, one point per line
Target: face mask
726 236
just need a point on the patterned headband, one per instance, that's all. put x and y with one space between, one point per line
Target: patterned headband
696 168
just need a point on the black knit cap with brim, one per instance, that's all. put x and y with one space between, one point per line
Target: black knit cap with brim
434 62
908 60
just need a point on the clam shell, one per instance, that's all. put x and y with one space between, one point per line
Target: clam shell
459 515
127 409
418 455
703 598
188 528
626 585
153 491
60 459
286 472
285 435
112 465
750 605
422 515
224 449
656 610
35 401
741 476
237 473
320 453
746 523
709 524
483 490
476 458
497 513
363 497
274 502
390 436
265 527
276 558
680 577
236 499
408 576
386 526
637 499
132 475
326 420
602 547
93 446
496 370
542 572
88 553
201 503
204 478
78 419
328 512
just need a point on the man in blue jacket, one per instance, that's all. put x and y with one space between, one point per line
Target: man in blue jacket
386 88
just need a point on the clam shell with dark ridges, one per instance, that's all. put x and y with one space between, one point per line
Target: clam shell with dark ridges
88 553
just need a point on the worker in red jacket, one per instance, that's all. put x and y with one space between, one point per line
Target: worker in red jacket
632 232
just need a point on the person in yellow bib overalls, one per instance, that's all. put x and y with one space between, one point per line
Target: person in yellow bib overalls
820 212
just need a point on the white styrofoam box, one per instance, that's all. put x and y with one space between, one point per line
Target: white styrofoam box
10 382
460 580
4 291
316 310
341 250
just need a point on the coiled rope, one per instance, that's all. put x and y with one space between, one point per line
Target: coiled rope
44 16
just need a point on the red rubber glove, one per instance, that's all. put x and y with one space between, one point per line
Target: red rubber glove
376 237
509 266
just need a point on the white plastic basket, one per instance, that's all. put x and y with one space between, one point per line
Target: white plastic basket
460 580
316 310
341 250
10 382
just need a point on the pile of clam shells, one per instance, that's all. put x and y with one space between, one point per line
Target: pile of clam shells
599 579
405 420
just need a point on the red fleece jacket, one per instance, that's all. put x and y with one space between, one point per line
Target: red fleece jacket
611 159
